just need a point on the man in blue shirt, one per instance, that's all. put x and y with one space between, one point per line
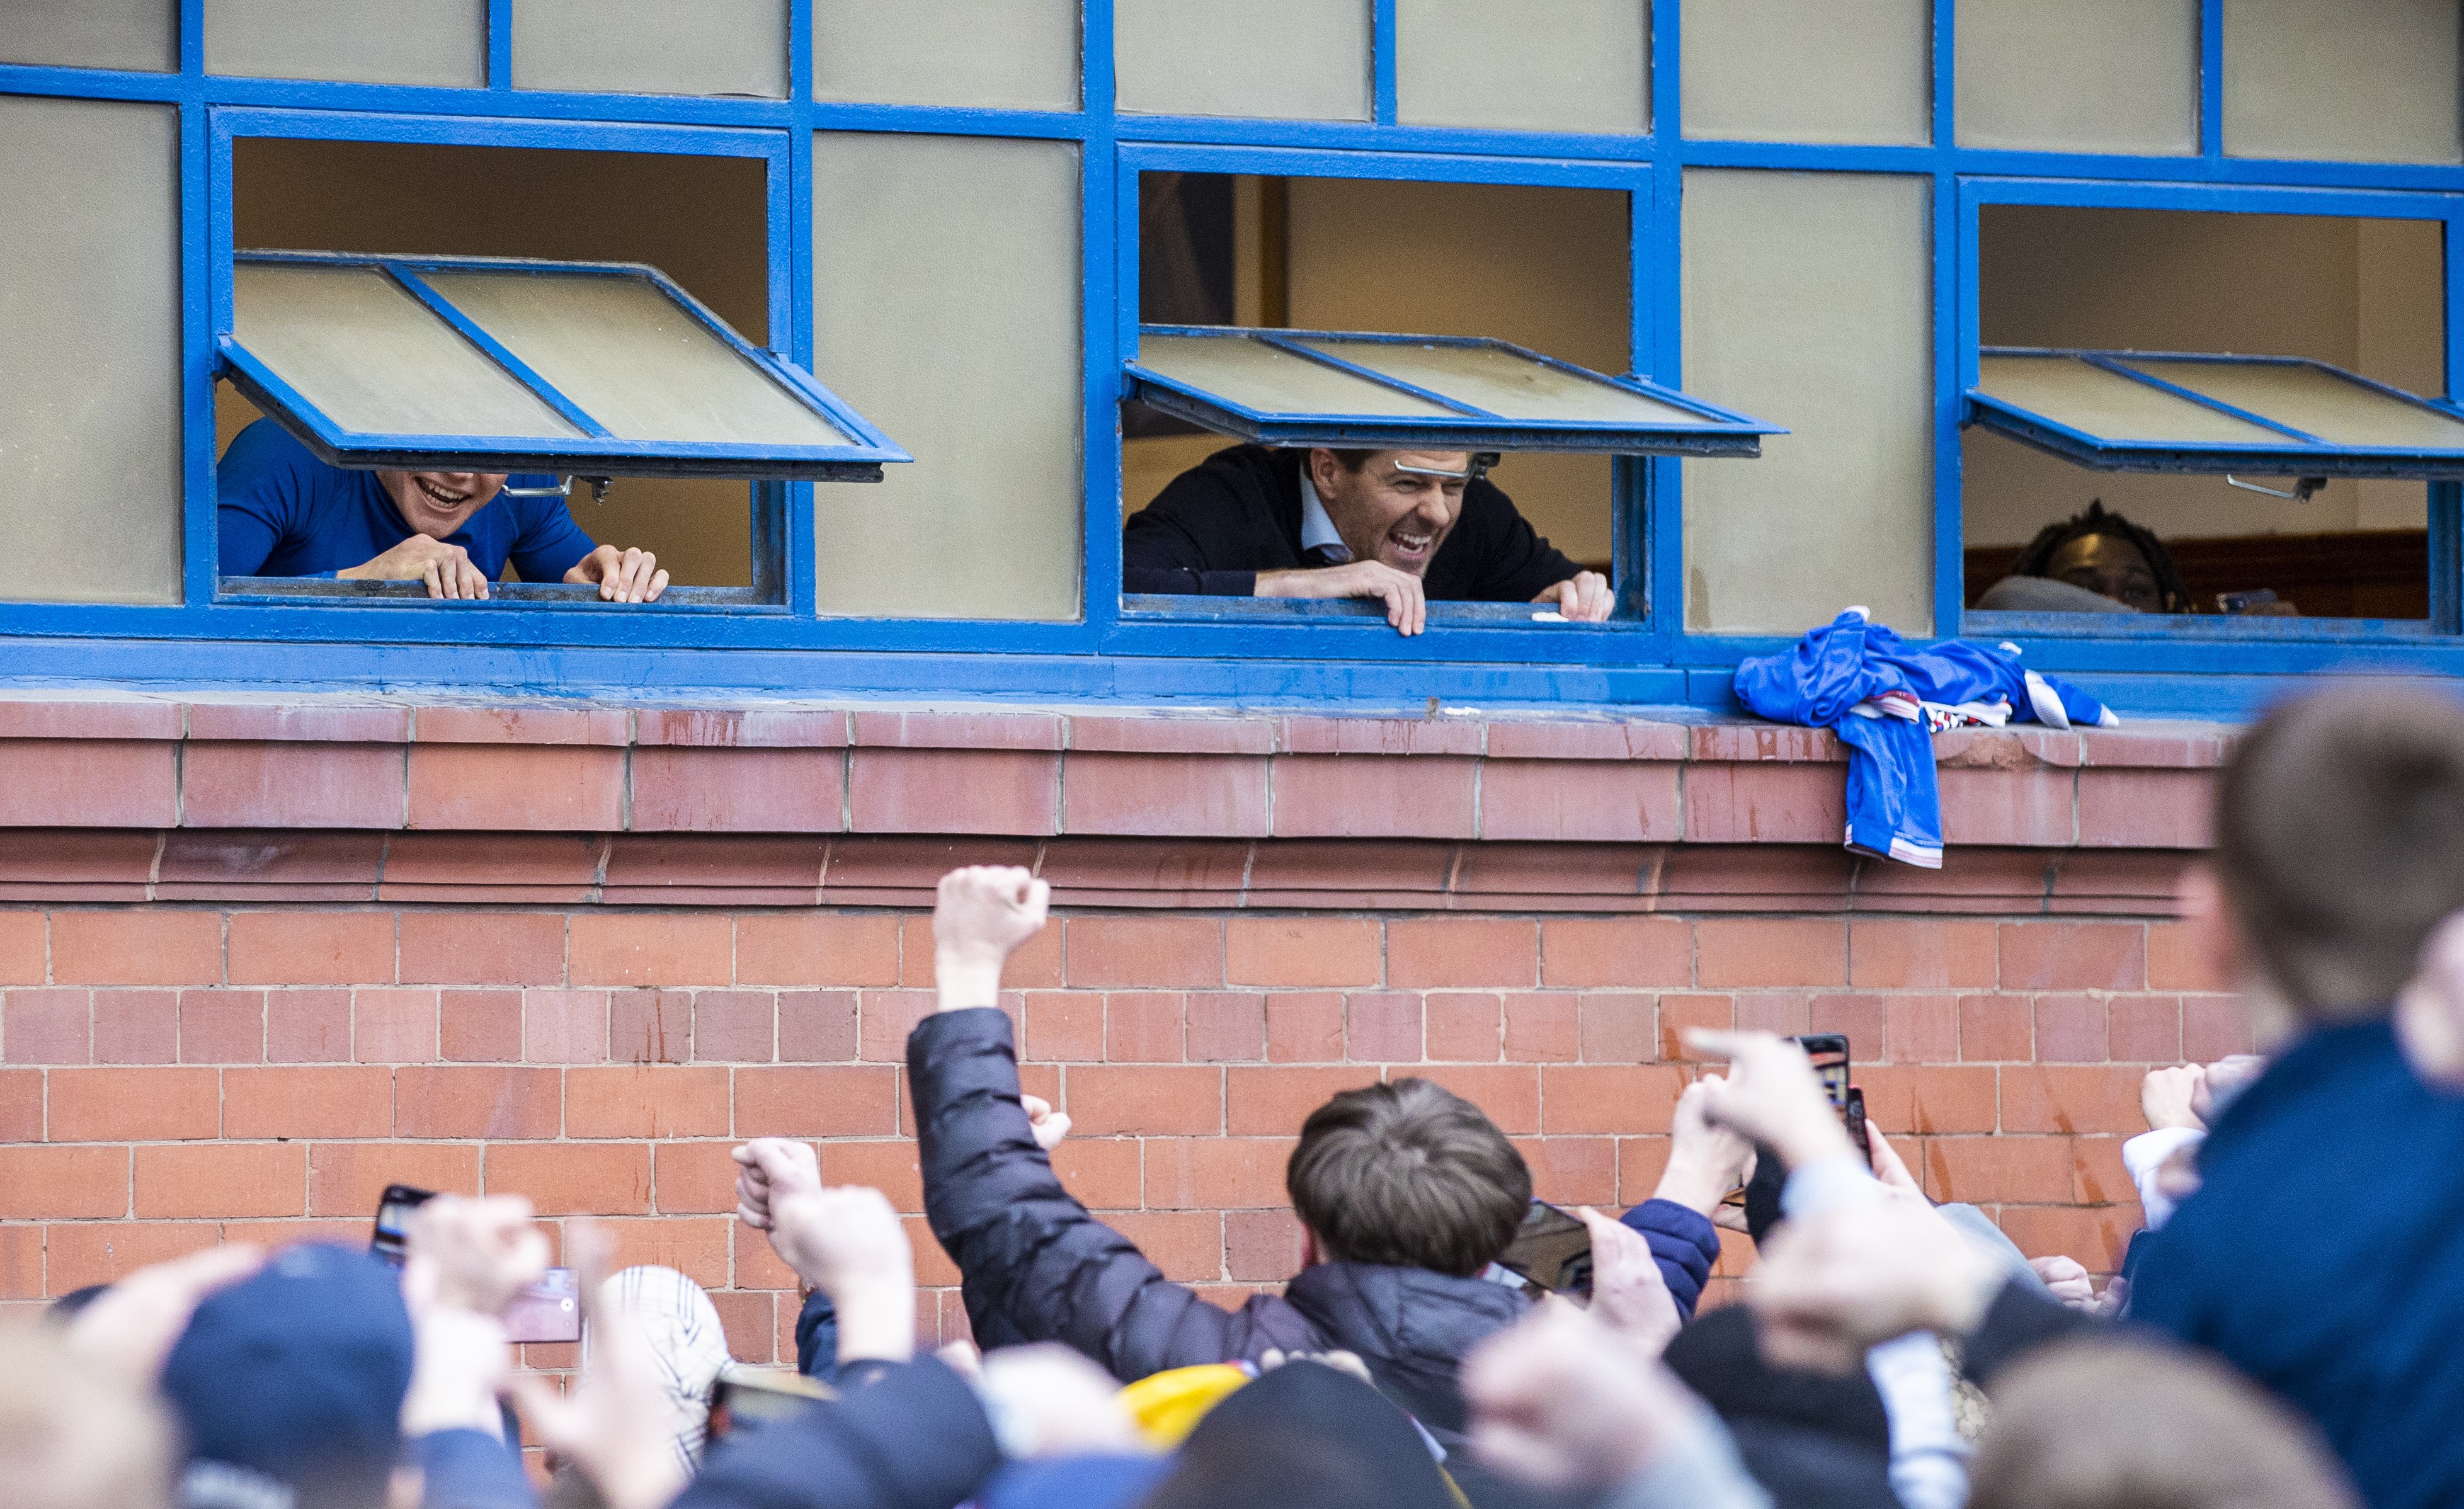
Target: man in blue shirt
283 512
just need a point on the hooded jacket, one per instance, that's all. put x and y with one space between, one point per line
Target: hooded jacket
1035 1266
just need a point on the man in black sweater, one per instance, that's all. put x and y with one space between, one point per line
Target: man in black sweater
1400 526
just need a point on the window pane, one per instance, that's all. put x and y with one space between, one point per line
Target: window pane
1809 70
1808 300
92 33
1019 54
946 309
441 42
633 358
1258 376
1507 385
2111 407
1548 269
2373 82
2366 295
90 388
652 47
374 359
1571 65
1291 59
2085 75
2318 403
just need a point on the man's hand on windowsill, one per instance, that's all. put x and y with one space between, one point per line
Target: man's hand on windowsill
446 569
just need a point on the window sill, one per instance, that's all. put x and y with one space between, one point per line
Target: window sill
324 591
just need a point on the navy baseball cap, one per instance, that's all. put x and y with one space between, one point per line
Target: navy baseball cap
290 1384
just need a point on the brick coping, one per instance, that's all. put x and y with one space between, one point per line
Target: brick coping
1673 734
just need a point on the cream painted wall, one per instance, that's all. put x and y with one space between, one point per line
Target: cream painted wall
698 219
1543 268
2363 294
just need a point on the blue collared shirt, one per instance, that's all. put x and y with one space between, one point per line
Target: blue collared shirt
283 512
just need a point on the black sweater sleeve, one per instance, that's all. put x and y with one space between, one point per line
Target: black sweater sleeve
1510 561
1191 539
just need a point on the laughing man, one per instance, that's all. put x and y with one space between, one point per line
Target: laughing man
283 512
1400 526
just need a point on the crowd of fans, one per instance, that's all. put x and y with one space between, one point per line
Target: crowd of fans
2283 1334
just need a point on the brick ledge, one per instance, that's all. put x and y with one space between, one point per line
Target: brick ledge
324 764
271 867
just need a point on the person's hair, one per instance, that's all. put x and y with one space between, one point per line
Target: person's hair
1348 460
73 1436
1408 1175
2121 1425
2037 556
2340 842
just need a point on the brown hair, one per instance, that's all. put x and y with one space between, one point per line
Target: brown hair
2121 1425
1408 1175
1348 460
2340 842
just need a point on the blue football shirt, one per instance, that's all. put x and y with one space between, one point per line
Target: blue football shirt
283 512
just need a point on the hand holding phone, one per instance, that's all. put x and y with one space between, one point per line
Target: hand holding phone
488 1257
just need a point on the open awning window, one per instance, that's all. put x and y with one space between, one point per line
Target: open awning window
1324 387
2171 411
471 364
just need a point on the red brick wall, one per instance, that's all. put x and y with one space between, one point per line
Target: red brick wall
173 1075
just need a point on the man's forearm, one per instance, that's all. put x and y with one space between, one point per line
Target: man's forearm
961 981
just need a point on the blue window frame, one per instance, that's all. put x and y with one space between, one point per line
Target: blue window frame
2187 666
813 437
2163 411
1181 370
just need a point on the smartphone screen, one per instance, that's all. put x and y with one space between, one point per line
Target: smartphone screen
549 1310
1552 1251
1829 1051
746 1399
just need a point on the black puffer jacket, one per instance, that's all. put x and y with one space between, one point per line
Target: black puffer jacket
1037 1267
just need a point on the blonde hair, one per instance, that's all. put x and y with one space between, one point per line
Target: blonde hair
2123 1425
72 1436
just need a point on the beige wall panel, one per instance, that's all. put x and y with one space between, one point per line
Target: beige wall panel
652 47
90 321
1012 55
2400 339
1809 70
2363 80
1525 65
92 33
1282 60
2363 294
701 220
442 42
1543 268
1808 302
946 310
2085 76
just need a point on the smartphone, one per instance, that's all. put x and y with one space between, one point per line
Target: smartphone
2244 601
749 1398
549 1310
392 1235
1829 1051
1551 1253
